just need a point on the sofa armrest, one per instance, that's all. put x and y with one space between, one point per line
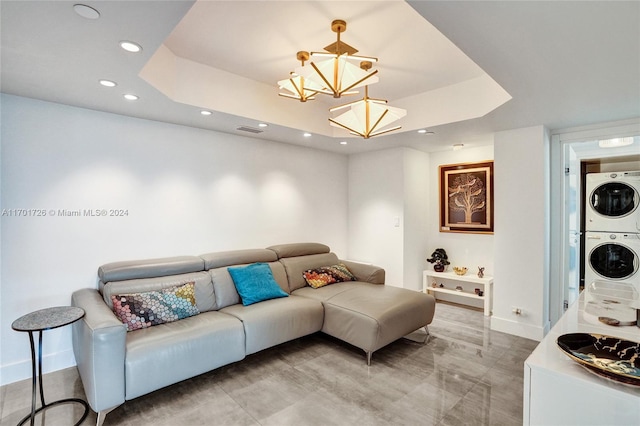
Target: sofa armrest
365 272
99 340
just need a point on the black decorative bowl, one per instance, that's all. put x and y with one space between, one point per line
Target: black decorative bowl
607 356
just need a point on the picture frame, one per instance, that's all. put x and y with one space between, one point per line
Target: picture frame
466 197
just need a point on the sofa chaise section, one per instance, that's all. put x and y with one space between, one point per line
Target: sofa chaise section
365 313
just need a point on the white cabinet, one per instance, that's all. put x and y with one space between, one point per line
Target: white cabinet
485 282
558 391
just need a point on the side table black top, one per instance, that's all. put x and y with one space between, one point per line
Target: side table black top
39 321
47 319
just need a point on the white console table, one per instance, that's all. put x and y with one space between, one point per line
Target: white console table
558 391
486 282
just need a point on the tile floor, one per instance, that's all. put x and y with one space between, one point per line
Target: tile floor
465 375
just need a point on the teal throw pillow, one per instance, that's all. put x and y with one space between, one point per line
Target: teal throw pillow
255 283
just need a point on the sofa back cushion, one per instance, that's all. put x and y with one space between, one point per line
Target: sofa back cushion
225 290
295 267
149 268
204 293
299 249
218 262
237 257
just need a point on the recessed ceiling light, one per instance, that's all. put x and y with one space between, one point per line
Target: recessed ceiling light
343 142
108 83
263 125
458 146
86 11
131 97
306 135
615 142
130 46
425 132
205 112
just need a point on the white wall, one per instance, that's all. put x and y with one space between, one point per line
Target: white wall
521 278
470 250
388 212
376 206
186 191
417 221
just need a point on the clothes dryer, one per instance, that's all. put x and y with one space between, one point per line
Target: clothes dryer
612 261
612 201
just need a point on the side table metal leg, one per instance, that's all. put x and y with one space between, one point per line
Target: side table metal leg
33 379
40 367
37 374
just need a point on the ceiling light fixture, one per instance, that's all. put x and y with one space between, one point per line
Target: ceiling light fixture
615 142
130 46
298 87
335 72
108 83
263 125
205 112
86 12
131 97
367 117
306 135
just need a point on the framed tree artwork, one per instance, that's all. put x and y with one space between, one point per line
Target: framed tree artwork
466 198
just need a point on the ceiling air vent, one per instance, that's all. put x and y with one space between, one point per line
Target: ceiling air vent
249 129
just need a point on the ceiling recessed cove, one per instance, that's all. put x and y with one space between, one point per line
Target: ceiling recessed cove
220 79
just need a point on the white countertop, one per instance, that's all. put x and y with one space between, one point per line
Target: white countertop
577 319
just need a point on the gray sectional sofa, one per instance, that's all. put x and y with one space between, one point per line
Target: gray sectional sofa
117 365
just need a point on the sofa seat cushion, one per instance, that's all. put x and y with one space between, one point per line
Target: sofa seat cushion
327 292
276 321
169 353
373 316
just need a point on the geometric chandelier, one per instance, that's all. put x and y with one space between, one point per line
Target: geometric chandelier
367 117
297 86
339 71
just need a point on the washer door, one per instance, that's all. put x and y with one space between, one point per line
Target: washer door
613 261
614 199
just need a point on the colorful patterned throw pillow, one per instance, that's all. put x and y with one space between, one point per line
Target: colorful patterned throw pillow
142 310
326 275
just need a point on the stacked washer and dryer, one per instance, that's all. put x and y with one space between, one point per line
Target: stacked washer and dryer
612 246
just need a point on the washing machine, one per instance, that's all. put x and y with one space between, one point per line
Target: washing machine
612 201
612 266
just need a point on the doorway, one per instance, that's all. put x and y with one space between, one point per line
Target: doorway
573 157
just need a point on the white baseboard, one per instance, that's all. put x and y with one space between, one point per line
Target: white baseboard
527 331
22 370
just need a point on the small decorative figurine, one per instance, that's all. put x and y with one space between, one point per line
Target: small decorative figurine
434 284
480 271
441 285
458 288
439 259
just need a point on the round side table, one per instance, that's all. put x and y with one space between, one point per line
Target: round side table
46 319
